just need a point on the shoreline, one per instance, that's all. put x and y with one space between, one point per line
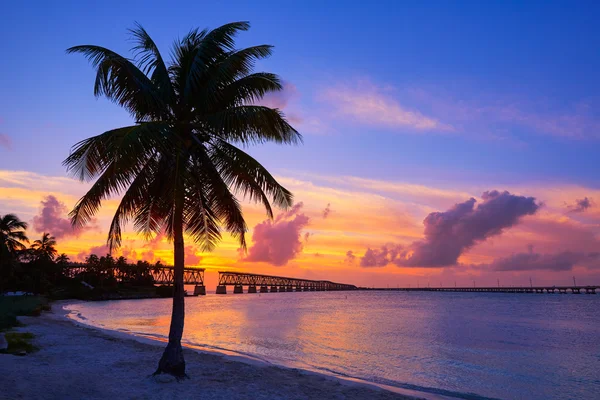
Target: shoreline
79 359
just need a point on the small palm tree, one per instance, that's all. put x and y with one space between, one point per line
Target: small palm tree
45 249
62 260
12 235
178 166
12 246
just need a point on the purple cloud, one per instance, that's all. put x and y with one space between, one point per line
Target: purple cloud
564 261
278 241
52 219
5 141
448 234
350 257
380 257
581 205
327 211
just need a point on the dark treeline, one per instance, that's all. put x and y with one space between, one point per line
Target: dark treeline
38 268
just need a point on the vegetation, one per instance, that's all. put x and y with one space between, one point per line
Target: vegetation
37 270
12 241
19 343
13 306
178 167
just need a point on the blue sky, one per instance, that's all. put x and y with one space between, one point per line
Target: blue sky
540 59
407 108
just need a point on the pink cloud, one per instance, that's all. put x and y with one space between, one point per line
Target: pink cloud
278 241
531 261
191 256
372 105
52 219
496 117
282 99
100 251
5 141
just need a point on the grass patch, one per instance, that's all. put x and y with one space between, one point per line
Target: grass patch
11 306
19 342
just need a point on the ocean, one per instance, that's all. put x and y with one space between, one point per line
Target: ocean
463 345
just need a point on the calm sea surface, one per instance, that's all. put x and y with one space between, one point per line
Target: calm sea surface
467 345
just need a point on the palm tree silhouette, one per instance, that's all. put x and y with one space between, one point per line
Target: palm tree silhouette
45 249
179 167
12 235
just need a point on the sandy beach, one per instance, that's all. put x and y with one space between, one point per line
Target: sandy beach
76 361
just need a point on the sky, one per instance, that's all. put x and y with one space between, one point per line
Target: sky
444 143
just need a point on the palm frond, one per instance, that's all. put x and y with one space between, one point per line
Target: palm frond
118 158
248 177
207 49
223 203
231 66
251 124
11 222
151 63
248 90
123 82
122 148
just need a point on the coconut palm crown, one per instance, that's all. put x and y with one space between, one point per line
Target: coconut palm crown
179 166
12 234
45 248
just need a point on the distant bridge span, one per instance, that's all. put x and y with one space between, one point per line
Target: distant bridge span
519 289
276 283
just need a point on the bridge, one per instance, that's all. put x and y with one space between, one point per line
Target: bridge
273 284
163 275
522 289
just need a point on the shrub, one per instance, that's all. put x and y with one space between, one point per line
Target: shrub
19 342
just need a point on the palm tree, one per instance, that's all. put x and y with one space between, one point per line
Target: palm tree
62 259
179 166
12 239
12 235
45 249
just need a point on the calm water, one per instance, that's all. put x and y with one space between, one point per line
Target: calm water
467 345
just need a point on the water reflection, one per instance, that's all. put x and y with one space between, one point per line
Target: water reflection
496 345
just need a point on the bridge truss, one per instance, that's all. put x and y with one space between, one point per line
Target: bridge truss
240 279
191 276
162 275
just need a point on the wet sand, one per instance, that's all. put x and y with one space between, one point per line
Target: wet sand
76 361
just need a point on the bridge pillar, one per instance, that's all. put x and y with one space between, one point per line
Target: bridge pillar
312 288
264 289
251 289
590 290
289 289
576 290
273 289
298 289
200 290
221 289
238 289
281 288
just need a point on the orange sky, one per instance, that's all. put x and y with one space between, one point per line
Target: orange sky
362 214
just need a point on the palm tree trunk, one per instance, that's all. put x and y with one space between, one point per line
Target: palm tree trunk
172 361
